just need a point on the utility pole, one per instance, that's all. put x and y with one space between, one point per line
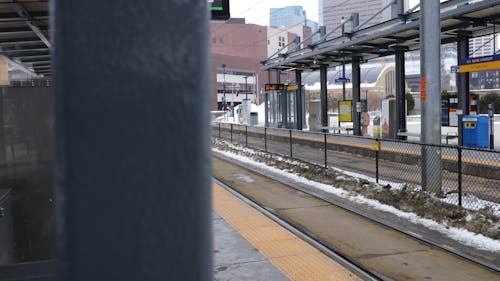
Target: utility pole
430 97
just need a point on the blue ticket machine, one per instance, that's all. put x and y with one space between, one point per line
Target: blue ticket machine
476 131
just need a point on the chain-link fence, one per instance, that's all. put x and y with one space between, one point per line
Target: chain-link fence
463 176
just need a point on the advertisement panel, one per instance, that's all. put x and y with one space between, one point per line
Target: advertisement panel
345 111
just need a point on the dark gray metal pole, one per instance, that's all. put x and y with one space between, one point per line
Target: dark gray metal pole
431 95
343 82
246 87
400 91
462 83
224 101
356 96
323 69
298 99
266 99
133 175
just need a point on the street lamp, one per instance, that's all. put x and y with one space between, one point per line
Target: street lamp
246 86
224 104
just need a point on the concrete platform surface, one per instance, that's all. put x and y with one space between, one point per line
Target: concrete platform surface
236 259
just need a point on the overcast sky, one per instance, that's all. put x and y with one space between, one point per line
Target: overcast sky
257 11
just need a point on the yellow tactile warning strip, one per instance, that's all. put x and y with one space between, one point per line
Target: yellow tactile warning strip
294 257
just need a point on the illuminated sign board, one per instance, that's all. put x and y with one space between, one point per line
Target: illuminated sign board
275 87
480 64
219 9
292 88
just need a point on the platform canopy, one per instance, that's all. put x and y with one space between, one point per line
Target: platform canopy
24 35
476 18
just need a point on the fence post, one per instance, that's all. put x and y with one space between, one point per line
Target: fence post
291 143
326 152
246 135
459 162
231 133
265 139
376 162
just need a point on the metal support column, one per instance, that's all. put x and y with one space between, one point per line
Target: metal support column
430 95
124 212
298 100
356 96
462 83
397 8
400 92
323 70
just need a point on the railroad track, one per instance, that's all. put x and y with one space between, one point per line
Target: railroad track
338 257
373 249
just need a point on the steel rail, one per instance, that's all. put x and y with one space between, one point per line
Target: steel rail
375 219
335 255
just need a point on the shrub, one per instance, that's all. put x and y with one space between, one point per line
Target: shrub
410 102
486 99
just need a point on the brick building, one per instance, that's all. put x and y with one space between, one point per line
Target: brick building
236 52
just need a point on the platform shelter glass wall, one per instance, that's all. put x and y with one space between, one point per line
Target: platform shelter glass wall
274 93
275 110
291 104
282 106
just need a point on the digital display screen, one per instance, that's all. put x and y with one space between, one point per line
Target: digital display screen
219 9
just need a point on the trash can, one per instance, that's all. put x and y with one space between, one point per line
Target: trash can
476 131
254 118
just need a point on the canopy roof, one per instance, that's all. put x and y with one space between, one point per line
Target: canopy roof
476 18
24 35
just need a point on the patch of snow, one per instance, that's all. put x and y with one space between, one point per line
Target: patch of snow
394 185
472 202
245 178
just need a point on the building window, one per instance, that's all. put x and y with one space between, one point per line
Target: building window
221 41
214 40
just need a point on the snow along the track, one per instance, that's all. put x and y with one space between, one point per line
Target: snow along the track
463 236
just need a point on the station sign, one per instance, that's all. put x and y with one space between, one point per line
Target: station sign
480 64
292 87
219 9
342 80
274 87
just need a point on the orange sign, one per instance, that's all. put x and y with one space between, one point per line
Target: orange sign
274 87
423 91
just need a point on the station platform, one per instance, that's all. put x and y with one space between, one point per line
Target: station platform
250 246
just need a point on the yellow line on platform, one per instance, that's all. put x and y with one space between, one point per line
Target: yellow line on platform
294 257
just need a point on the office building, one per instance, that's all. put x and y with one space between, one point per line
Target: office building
287 16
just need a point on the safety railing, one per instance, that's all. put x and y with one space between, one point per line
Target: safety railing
469 177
